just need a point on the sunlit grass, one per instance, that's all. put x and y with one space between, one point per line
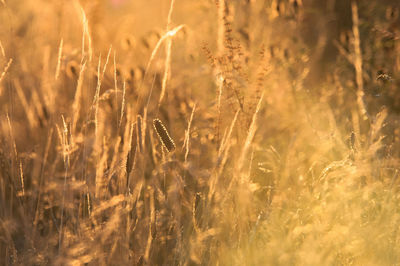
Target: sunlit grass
210 133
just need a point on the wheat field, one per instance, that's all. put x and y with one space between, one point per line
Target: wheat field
207 132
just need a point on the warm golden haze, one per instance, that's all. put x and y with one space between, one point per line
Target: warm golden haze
207 132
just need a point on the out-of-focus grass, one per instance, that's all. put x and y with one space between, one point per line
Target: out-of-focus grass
275 162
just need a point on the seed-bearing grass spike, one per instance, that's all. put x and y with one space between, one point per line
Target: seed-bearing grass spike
162 133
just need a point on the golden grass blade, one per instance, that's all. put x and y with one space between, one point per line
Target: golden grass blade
85 32
358 64
167 67
250 134
187 135
139 132
2 50
60 49
31 117
151 224
6 69
122 103
132 150
168 34
76 105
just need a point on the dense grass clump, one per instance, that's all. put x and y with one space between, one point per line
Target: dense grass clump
199 132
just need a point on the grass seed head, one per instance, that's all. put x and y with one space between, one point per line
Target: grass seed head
162 133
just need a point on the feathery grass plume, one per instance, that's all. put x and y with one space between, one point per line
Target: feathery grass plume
212 60
262 71
222 10
163 135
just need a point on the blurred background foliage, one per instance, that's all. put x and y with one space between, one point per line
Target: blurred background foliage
275 163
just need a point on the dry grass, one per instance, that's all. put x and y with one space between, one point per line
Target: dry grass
265 133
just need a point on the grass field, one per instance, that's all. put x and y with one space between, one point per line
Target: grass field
207 132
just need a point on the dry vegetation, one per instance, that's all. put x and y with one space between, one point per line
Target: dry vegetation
226 132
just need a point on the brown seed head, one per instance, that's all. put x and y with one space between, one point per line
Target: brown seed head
162 133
